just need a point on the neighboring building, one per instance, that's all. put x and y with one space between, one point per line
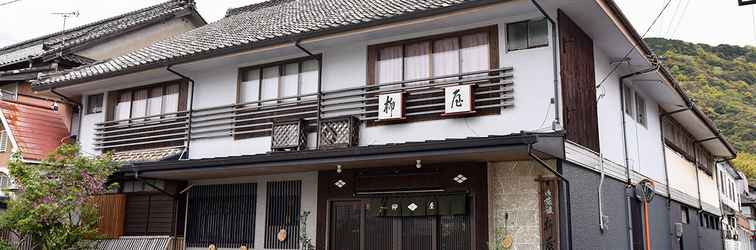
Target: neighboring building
748 207
35 124
404 125
730 185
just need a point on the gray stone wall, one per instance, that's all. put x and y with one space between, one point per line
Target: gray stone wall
513 203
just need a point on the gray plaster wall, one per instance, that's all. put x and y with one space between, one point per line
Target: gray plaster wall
584 209
586 233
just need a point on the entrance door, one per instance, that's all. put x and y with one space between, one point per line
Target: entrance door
346 219
354 228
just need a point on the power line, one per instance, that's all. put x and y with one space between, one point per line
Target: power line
672 18
631 46
753 17
679 22
8 2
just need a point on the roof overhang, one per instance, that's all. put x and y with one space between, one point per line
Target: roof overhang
483 149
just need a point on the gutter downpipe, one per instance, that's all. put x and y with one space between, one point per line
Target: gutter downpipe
190 112
666 170
629 184
566 193
320 88
555 61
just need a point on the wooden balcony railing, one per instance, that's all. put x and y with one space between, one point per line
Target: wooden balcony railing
424 99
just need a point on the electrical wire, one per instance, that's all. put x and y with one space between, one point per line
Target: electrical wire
9 2
672 18
631 48
679 21
753 16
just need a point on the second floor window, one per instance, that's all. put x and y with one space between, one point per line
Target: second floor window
449 54
279 82
94 104
640 104
527 34
162 98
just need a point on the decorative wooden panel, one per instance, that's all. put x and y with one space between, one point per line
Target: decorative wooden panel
549 206
111 210
578 84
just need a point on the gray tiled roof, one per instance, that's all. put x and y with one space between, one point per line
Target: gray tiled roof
55 42
257 25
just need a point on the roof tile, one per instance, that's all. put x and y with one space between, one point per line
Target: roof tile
260 22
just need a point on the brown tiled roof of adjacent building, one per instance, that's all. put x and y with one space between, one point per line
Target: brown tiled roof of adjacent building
37 131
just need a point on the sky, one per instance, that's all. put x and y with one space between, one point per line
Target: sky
701 21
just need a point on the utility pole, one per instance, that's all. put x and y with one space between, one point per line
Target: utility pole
66 15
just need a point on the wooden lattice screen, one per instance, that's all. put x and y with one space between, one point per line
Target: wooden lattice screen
111 209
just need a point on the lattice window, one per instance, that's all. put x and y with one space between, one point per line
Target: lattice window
223 215
283 211
339 133
288 135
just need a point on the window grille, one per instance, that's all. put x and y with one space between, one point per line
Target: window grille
223 215
283 211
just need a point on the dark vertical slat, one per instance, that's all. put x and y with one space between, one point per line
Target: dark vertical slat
222 214
282 211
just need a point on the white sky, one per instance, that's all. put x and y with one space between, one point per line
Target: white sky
703 21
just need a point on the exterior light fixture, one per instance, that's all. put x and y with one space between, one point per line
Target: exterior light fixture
338 169
418 164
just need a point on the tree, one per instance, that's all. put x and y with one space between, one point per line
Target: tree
54 205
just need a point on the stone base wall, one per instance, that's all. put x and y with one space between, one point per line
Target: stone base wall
513 204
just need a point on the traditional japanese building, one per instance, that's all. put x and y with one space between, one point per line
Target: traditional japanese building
465 124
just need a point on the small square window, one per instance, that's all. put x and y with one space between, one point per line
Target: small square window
640 105
527 34
94 104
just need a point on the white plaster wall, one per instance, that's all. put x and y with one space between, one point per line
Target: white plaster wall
644 147
609 109
709 192
345 65
137 39
309 200
684 177
88 122
649 148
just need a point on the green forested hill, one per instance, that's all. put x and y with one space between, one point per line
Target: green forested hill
721 80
